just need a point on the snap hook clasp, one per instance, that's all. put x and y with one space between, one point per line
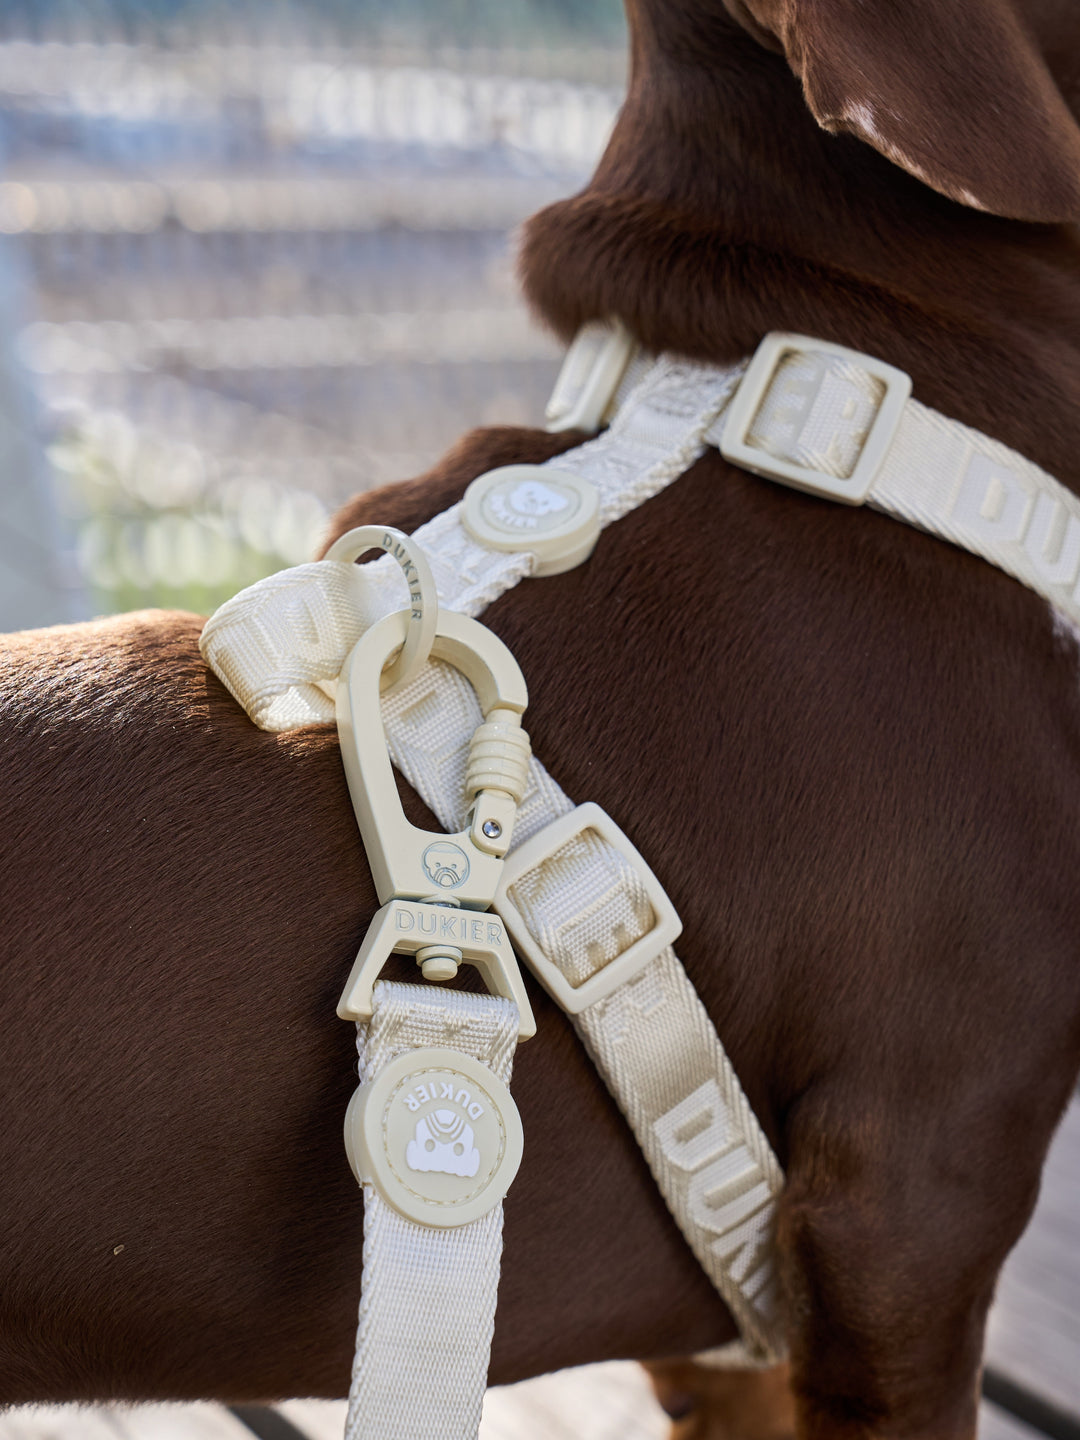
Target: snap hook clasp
436 888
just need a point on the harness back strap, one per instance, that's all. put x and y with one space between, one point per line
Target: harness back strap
280 644
584 899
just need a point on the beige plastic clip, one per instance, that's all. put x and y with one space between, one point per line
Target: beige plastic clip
433 887
590 375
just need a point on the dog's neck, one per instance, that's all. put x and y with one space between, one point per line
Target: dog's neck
721 210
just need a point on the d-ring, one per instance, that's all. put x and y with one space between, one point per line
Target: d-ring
423 596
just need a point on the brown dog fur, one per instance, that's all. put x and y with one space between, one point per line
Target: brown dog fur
711 1404
851 752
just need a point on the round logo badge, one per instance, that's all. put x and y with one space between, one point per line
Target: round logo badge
446 864
550 512
437 1134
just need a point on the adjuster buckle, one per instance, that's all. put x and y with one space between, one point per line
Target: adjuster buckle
665 929
594 365
744 407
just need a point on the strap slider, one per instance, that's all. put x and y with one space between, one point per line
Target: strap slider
585 388
580 825
820 408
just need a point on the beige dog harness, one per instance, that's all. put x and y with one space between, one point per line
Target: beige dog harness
581 905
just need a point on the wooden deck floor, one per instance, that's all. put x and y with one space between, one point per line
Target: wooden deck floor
598 1402
1034 1332
1034 1340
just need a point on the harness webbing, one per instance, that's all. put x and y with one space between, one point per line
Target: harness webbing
825 420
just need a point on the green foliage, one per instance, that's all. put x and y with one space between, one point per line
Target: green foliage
156 527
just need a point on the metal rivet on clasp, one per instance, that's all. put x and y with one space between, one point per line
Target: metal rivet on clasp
439 962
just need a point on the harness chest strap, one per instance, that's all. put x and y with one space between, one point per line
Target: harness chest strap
277 643
595 928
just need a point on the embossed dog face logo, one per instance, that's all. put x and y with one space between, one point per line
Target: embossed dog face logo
444 1141
439 1133
532 497
446 864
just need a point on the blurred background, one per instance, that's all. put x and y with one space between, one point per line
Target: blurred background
255 258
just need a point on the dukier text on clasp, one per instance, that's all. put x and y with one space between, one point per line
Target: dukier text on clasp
457 926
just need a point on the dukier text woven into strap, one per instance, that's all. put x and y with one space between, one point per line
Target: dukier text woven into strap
651 1039
948 479
412 1378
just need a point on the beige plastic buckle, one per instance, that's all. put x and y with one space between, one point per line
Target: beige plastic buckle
752 390
590 375
665 930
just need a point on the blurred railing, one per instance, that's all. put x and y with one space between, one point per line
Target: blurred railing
266 276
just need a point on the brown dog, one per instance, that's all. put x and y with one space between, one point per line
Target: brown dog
853 760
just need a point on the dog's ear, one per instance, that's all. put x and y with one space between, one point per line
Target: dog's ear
955 91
